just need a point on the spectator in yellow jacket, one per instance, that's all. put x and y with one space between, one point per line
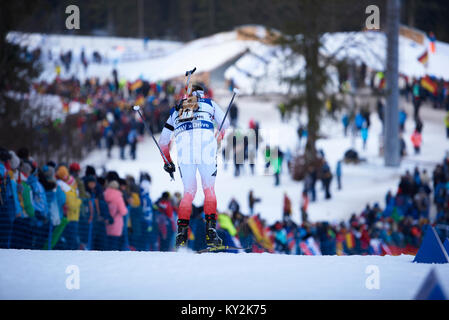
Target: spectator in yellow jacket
72 207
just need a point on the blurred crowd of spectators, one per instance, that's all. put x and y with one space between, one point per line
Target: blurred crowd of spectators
61 206
56 206
107 118
396 227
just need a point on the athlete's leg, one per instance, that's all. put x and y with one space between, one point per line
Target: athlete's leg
207 166
188 175
208 173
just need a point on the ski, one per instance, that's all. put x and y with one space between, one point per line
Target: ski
220 248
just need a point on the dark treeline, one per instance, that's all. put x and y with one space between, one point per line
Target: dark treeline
190 19
185 20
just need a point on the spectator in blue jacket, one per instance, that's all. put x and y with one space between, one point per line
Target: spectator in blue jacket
402 119
150 227
338 173
98 211
132 140
364 135
7 204
359 121
39 197
345 121
54 194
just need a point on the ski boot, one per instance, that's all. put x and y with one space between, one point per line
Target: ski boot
212 238
181 237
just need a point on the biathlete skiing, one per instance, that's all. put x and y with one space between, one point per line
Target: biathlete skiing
192 123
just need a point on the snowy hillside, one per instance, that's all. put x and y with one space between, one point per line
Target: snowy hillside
370 47
133 58
261 67
113 51
264 66
158 275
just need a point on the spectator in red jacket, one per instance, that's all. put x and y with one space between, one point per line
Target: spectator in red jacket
304 206
166 221
364 239
416 141
287 206
165 205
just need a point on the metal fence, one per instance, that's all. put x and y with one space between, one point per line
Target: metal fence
155 233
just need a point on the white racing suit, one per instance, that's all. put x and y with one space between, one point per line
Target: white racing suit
197 149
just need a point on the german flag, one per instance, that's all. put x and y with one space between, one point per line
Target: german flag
382 83
140 100
429 84
432 40
424 58
190 234
136 85
65 106
260 234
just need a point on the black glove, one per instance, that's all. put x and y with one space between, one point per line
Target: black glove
170 168
179 105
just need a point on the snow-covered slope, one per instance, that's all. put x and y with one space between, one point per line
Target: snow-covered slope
157 275
262 69
370 47
154 60
206 54
111 49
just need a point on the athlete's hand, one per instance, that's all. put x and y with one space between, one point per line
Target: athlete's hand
170 168
179 105
219 136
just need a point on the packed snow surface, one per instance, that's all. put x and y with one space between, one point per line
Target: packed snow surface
170 275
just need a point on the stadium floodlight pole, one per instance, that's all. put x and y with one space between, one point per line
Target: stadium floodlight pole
137 108
392 155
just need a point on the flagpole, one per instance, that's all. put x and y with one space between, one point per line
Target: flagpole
391 134
426 65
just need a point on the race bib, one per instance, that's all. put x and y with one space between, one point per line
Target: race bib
188 109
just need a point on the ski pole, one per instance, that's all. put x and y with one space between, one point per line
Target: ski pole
188 75
187 89
137 108
235 91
